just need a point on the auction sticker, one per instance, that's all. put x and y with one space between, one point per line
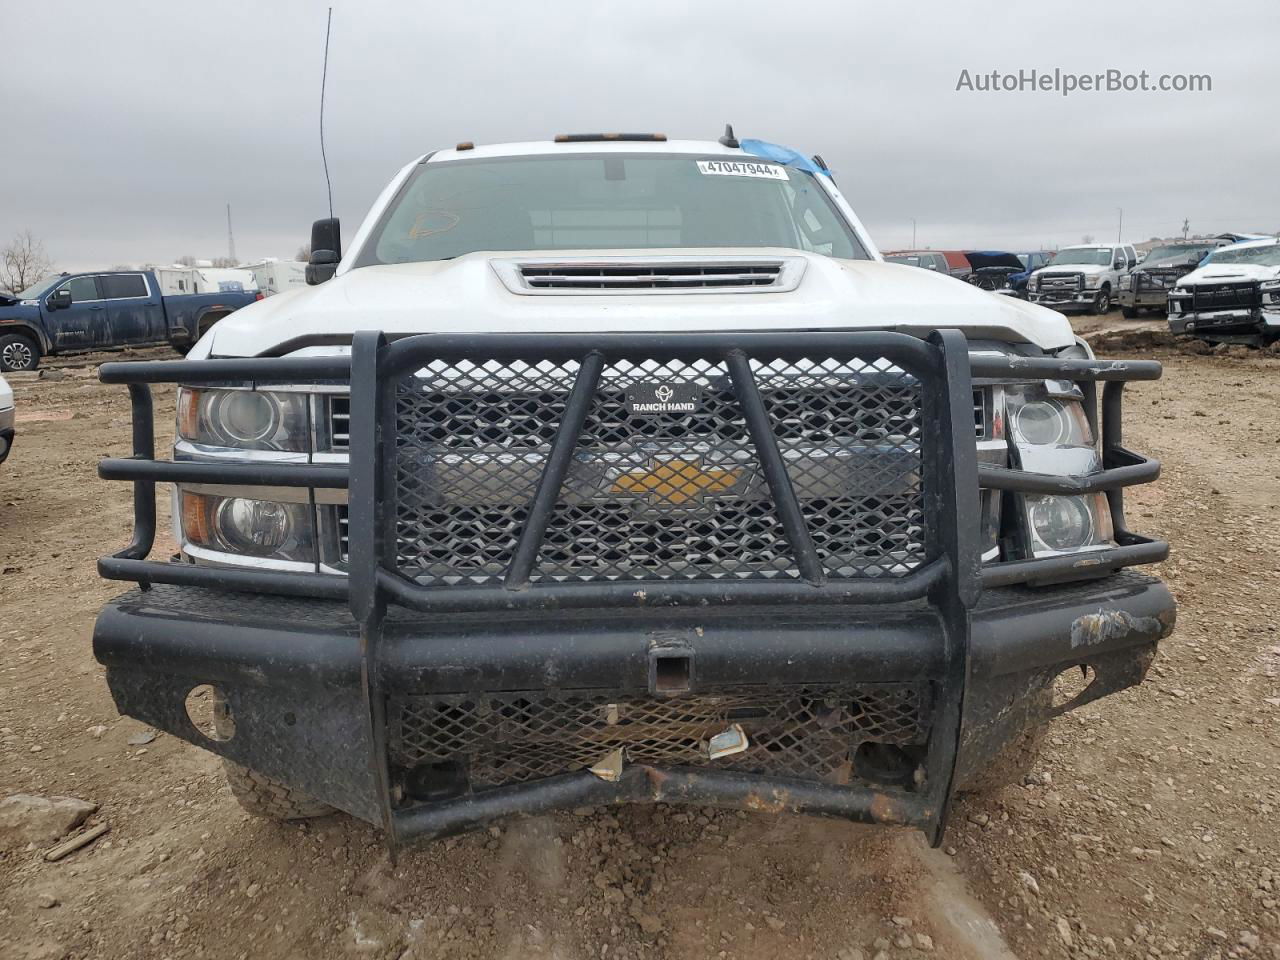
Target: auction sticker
742 168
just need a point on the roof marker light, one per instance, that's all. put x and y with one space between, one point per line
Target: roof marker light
597 137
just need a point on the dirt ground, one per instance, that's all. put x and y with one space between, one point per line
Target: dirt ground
1152 827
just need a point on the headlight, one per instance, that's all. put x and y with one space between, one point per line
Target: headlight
1047 415
1092 281
1063 524
1050 434
248 527
245 419
1271 291
1126 282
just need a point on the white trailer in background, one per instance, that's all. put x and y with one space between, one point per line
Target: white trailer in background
225 280
177 280
278 276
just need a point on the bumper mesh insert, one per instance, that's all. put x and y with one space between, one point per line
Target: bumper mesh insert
805 732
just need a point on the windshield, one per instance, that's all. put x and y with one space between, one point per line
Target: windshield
1264 256
909 260
606 202
36 288
1082 255
1178 254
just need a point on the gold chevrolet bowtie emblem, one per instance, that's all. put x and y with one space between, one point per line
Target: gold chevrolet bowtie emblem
676 481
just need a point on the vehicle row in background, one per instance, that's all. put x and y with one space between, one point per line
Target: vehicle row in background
989 269
92 311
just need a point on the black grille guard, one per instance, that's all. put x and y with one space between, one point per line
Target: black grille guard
950 576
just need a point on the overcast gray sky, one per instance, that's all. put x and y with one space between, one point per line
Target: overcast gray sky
129 125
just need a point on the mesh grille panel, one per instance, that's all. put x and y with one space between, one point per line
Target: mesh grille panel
870 451
1226 296
511 737
674 492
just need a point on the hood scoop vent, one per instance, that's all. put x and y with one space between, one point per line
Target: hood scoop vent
642 275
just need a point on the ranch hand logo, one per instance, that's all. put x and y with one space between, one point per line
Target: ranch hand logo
651 398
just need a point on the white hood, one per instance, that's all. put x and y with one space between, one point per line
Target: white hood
465 295
1228 273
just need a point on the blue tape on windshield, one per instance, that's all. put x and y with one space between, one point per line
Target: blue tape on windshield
780 154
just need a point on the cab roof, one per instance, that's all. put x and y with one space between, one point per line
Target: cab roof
1260 242
542 147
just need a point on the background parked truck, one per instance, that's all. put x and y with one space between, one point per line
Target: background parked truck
89 311
1148 284
1084 277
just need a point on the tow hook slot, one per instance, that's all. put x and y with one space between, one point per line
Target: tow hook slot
670 669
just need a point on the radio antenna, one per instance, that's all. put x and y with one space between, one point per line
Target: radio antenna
324 77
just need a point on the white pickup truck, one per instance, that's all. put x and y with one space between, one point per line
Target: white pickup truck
622 469
1233 297
1085 277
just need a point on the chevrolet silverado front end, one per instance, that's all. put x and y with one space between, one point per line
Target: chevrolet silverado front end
622 470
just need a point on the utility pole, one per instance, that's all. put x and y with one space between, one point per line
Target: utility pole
913 233
231 240
1186 225
1120 228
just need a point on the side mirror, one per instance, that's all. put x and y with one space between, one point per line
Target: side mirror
59 300
326 250
1118 265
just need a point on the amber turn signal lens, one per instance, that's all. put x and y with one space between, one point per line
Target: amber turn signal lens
188 413
195 519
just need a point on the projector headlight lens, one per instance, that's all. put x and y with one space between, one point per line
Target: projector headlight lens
256 527
243 419
1061 523
1040 419
248 527
246 416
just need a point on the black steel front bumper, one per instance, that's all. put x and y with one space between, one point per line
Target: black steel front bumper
1082 299
1144 297
291 672
1243 325
319 670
